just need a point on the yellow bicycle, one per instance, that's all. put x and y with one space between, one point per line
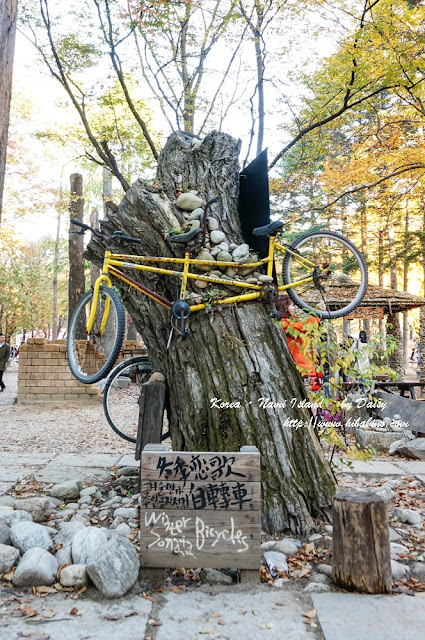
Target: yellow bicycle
322 271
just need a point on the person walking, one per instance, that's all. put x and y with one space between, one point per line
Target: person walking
4 357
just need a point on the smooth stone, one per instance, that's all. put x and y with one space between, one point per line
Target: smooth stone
316 587
325 569
251 280
5 509
188 201
75 575
215 251
113 501
418 571
407 515
223 246
27 535
212 223
413 449
394 535
39 508
16 516
213 576
85 500
114 567
276 559
37 568
7 501
126 512
328 528
88 491
217 236
263 278
74 506
201 284
85 543
195 224
65 537
399 570
397 549
385 492
223 256
8 557
204 255
279 583
231 272
68 490
196 214
4 533
286 546
314 537
241 253
123 529
55 502
321 578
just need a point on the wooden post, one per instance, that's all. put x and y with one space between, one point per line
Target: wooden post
151 414
361 542
8 16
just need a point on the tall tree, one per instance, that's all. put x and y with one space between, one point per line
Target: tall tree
8 17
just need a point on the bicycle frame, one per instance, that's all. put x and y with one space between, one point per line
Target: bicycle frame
112 261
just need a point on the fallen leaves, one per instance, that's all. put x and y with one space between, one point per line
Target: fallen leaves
310 614
154 623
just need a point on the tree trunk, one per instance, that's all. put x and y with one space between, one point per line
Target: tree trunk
361 542
55 281
235 354
8 15
94 222
396 358
77 282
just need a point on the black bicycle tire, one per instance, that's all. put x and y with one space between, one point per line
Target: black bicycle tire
119 336
111 378
292 291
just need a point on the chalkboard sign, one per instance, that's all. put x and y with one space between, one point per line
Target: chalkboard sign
200 509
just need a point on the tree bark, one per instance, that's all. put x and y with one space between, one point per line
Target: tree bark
235 354
396 358
8 15
77 281
361 542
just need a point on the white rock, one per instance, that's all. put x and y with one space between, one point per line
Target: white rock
397 416
217 236
126 512
196 214
123 529
394 446
195 224
67 490
205 255
316 587
4 509
88 491
279 583
232 246
12 517
212 223
263 278
399 570
407 515
385 492
326 569
8 557
241 253
39 508
223 256
37 567
215 251
27 535
201 284
114 567
85 543
188 201
397 549
276 559
75 575
286 546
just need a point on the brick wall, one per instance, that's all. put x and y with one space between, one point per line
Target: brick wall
44 374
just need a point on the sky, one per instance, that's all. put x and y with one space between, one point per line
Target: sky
32 80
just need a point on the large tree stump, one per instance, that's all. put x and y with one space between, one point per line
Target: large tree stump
234 355
361 542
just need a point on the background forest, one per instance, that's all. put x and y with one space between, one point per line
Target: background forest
334 89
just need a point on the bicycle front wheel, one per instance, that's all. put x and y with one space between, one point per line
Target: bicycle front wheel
336 271
121 394
92 355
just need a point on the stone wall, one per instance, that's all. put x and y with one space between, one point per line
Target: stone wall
44 374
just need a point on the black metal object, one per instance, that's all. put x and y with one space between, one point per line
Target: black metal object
254 202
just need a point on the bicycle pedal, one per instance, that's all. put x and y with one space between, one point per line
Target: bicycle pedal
185 334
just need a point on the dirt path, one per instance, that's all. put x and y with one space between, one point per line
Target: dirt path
62 427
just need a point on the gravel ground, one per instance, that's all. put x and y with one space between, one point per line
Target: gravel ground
62 427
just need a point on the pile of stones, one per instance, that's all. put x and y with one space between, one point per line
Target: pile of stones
218 248
45 540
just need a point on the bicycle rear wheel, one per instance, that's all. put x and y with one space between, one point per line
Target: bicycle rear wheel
341 285
91 356
121 394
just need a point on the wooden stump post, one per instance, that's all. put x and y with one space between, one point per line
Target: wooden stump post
151 414
361 542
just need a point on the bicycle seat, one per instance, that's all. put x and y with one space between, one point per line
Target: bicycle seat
182 238
268 228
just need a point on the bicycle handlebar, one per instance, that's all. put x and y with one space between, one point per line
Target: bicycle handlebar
117 235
